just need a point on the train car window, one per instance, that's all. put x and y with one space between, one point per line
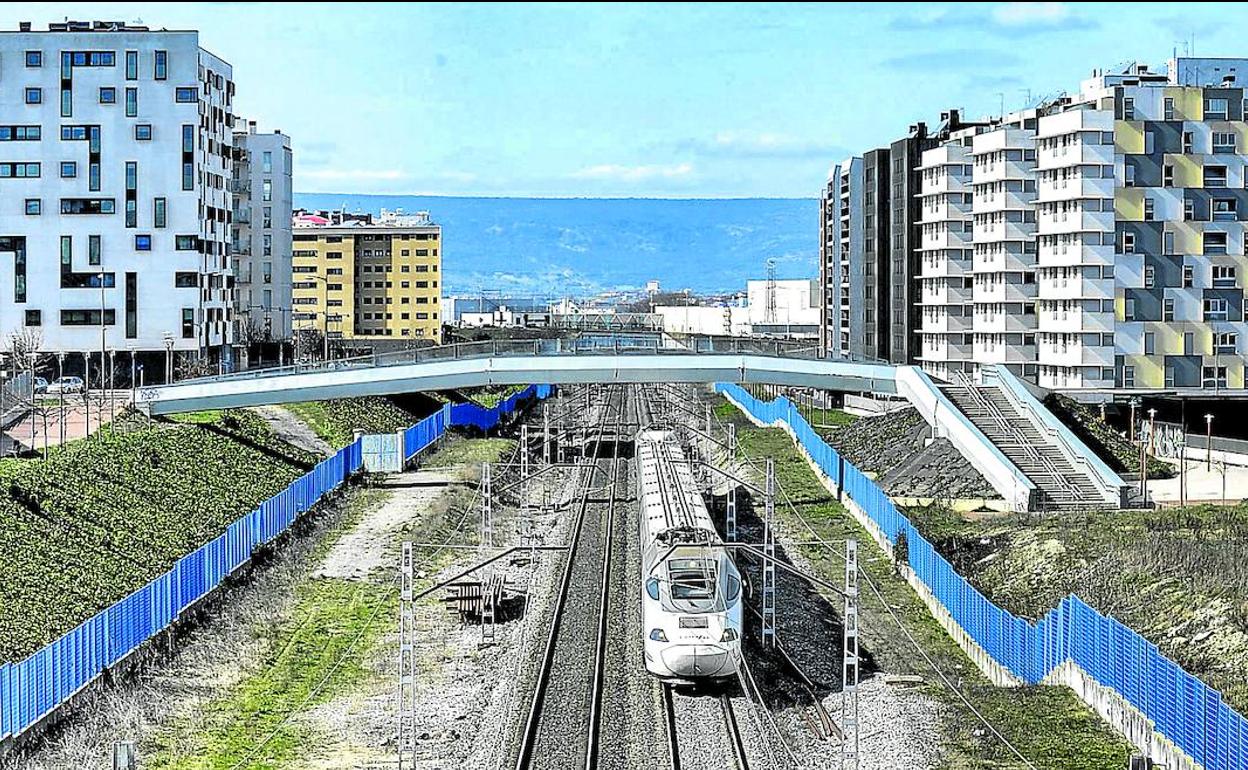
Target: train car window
652 588
734 589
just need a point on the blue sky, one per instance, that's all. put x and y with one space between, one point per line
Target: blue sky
640 100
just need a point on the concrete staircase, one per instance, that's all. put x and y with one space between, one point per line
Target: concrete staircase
1060 483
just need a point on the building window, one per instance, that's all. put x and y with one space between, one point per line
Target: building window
185 96
132 175
185 243
1216 309
132 214
268 216
1188 276
108 95
69 169
132 102
132 65
266 162
1128 243
88 206
1225 209
1167 309
1189 209
188 176
34 206
1225 343
1129 175
93 249
34 96
1216 109
188 322
1149 276
34 58
161 66
1128 376
1150 343
158 212
87 317
266 190
1213 376
1128 309
34 317
1214 243
1149 209
1215 176
143 132
185 280
1223 141
1224 276
142 243
1167 242
1168 108
1128 108
268 245
1167 176
1188 140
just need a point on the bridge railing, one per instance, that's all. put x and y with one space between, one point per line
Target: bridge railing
33 689
617 344
1180 707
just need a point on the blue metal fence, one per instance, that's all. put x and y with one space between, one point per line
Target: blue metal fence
32 689
485 418
1182 708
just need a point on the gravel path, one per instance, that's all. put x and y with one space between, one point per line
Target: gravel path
292 430
374 543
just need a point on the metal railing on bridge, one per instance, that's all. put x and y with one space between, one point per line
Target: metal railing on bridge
626 344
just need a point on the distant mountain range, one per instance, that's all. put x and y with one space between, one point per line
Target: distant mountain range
583 246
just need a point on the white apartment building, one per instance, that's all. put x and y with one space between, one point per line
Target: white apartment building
946 264
1004 245
116 147
261 242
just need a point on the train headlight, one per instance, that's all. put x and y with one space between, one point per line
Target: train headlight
730 635
657 635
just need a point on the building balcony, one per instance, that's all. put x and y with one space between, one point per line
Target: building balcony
1074 121
1002 139
946 183
945 323
944 210
944 155
1003 262
946 295
1005 231
1003 170
944 267
945 239
1011 200
1074 254
1071 378
1003 323
238 186
939 349
998 292
241 216
1077 222
1073 321
1051 354
1074 288
1075 155
1050 190
1003 353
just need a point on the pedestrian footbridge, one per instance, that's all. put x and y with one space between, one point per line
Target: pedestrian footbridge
647 359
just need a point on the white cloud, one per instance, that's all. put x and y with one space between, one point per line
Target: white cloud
612 171
1018 14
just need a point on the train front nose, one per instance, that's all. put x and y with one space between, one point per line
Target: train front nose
697 660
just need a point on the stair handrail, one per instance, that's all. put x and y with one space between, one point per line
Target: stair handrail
995 414
1110 485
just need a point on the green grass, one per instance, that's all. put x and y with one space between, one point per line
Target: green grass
494 395
197 418
460 451
335 421
316 654
826 418
103 516
1049 725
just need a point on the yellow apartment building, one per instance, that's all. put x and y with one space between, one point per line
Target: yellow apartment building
359 277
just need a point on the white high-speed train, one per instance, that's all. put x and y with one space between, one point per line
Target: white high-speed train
691 604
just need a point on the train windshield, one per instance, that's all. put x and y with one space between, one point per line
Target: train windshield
693 583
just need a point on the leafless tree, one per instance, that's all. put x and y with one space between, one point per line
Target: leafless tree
309 343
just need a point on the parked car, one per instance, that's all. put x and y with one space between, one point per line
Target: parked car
41 385
66 385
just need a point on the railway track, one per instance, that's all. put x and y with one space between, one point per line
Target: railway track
561 729
693 740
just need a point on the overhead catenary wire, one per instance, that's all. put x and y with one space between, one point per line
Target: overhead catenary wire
900 624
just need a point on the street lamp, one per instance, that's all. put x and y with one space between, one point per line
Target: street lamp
168 357
1208 442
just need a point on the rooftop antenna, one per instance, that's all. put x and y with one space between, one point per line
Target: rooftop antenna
769 308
